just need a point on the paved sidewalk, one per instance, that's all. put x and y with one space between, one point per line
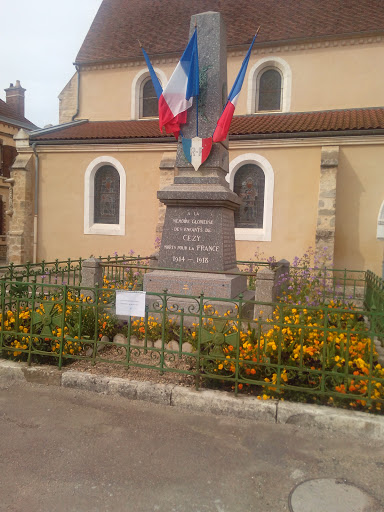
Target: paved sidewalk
67 449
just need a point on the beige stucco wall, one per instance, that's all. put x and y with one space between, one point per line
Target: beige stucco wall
61 210
360 193
61 214
325 78
333 77
108 91
296 172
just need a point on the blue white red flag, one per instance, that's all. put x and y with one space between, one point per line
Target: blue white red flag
222 127
177 97
183 85
197 150
155 80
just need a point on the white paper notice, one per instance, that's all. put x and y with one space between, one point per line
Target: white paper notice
130 303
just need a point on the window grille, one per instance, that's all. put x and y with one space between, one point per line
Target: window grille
107 195
149 103
269 91
249 185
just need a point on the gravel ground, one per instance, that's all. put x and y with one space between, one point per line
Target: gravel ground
118 354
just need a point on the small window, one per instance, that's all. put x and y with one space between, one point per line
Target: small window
107 195
249 185
148 100
269 91
252 178
104 197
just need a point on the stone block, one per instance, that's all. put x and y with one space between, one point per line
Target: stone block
264 292
198 237
43 375
222 403
121 339
173 345
351 423
83 380
194 283
187 348
91 276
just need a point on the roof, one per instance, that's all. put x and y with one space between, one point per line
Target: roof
262 125
162 26
10 116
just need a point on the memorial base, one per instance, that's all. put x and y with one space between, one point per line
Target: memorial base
223 286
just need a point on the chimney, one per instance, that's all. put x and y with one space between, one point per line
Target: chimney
15 97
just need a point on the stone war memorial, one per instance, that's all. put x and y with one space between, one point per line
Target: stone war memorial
199 231
202 316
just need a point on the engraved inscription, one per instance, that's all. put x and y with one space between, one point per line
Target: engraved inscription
198 239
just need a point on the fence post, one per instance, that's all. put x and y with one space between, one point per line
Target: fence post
269 285
282 269
91 275
264 292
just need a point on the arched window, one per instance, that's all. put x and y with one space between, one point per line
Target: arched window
251 176
269 86
104 197
148 100
249 185
107 195
144 102
269 90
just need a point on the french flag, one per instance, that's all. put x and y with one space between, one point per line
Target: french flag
222 127
177 97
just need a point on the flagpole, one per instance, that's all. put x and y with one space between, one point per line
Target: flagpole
197 99
226 103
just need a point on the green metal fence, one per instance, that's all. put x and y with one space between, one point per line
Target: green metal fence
339 284
59 271
124 271
320 354
374 299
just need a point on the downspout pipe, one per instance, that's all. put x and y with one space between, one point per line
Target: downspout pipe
78 93
35 213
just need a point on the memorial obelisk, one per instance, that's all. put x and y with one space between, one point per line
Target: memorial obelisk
199 229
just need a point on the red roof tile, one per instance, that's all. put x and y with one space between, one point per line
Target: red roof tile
14 118
300 122
162 26
258 124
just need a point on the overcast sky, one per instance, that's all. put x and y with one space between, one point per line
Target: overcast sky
39 41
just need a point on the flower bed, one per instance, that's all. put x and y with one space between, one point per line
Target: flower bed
313 348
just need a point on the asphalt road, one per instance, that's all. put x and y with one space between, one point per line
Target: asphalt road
68 450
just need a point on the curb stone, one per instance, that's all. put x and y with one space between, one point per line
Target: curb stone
134 390
334 420
224 403
209 401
